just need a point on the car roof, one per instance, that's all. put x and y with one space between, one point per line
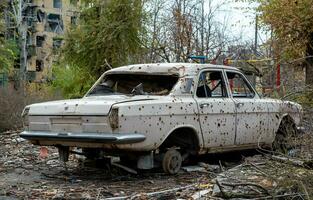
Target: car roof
167 68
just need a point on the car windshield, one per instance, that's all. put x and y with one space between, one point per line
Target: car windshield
135 84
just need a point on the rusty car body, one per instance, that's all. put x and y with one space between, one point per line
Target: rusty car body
159 114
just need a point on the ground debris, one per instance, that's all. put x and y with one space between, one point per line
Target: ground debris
32 172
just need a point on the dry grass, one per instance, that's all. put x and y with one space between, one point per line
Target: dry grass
12 103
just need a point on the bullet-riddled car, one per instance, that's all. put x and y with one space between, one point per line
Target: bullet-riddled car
159 114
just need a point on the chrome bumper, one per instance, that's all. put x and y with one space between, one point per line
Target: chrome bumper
117 138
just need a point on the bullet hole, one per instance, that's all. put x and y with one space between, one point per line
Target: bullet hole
218 125
139 108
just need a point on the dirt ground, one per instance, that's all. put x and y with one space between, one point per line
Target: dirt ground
246 175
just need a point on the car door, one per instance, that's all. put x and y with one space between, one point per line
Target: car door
251 111
216 110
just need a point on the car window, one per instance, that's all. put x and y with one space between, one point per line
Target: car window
211 84
239 86
135 84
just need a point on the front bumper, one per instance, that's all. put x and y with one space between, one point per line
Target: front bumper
104 138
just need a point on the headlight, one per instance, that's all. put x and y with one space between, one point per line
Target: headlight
25 117
113 118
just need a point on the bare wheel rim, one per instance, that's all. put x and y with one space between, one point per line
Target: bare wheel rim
172 161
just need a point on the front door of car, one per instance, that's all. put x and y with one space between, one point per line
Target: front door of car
216 110
252 112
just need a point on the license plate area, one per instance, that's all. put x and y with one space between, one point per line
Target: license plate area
66 124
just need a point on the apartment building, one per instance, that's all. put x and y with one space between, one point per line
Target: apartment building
45 22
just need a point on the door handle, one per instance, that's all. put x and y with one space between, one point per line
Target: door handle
239 105
204 105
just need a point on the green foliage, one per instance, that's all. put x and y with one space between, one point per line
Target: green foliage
108 32
292 24
8 48
8 53
72 81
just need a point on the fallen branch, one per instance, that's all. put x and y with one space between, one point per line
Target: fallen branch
230 195
248 184
299 163
153 194
279 196
130 170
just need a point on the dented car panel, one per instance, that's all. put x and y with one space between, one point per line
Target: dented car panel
206 107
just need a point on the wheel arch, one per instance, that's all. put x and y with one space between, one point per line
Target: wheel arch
187 133
286 116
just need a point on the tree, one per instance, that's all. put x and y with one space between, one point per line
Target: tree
292 26
180 28
8 48
109 32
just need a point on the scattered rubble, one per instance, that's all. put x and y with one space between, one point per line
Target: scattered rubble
32 172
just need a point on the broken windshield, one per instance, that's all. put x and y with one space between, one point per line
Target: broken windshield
135 84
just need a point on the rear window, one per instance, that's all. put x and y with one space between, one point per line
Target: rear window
135 84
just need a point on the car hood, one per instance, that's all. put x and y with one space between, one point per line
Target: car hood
93 105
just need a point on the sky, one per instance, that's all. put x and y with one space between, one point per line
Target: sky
240 17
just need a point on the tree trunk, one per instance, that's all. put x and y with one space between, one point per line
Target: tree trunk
309 62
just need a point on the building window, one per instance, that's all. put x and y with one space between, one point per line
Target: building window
39 65
74 20
54 24
41 16
40 40
57 4
57 42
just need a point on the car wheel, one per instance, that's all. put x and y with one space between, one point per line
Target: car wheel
172 161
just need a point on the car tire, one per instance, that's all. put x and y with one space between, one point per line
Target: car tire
172 161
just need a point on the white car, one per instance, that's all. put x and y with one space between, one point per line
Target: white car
159 114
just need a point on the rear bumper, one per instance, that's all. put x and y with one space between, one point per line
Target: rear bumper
104 138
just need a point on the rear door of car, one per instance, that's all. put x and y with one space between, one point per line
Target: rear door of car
251 111
217 114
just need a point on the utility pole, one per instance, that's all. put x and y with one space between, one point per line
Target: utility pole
256 35
202 27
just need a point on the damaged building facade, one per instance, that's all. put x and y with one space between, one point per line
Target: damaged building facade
40 27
